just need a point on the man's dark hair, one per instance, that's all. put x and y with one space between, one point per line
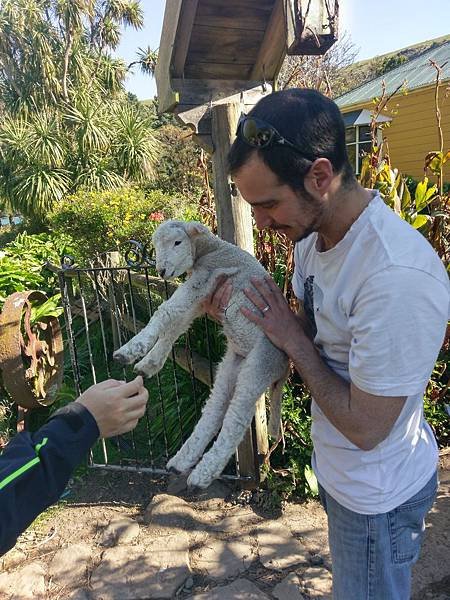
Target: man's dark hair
309 120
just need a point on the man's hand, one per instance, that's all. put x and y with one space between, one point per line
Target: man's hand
282 326
115 405
216 303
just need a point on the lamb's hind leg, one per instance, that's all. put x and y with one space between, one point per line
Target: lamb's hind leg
258 370
212 414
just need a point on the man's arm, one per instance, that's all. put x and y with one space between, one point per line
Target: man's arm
364 419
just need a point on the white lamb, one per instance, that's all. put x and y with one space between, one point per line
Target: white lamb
251 363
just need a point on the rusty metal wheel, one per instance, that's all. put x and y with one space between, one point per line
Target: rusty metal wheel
31 355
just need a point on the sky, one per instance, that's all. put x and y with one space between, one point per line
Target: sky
374 27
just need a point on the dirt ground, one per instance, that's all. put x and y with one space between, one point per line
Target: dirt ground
100 496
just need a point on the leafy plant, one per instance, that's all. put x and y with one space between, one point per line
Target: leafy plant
23 263
103 221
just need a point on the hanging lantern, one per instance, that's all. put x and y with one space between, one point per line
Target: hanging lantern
312 25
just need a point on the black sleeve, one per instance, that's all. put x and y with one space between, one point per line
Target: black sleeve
35 468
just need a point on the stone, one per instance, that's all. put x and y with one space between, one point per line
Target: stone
122 530
289 588
132 573
68 568
13 559
278 549
78 595
213 497
241 589
28 583
222 559
317 582
239 518
169 512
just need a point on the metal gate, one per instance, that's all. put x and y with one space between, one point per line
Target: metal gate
104 307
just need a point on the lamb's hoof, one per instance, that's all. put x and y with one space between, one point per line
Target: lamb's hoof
122 358
177 483
197 481
140 371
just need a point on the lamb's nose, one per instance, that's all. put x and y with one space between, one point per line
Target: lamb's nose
162 272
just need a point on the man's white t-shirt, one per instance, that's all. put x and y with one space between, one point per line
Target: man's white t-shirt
380 302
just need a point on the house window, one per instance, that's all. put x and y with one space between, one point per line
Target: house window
358 142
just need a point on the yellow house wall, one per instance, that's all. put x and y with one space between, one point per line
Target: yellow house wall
413 131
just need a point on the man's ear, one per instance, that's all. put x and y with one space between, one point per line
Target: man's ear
195 228
320 176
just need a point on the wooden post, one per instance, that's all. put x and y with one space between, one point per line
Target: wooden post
234 223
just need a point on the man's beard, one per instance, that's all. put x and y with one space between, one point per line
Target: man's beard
317 211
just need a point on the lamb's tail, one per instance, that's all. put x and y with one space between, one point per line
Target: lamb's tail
275 395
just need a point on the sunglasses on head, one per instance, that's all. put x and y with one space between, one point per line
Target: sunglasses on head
259 134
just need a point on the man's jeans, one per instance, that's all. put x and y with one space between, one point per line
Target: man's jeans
372 555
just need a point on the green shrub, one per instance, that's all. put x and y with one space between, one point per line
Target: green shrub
23 263
99 222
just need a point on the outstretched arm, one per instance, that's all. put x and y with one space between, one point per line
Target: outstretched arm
35 467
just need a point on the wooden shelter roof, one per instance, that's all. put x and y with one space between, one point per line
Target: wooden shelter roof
212 50
232 40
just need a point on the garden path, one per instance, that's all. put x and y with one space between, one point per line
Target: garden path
109 542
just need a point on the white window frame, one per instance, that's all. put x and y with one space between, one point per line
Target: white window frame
357 143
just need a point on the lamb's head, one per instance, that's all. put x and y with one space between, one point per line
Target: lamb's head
174 243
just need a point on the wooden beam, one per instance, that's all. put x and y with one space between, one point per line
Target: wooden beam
197 98
167 97
183 37
223 45
235 14
234 220
273 48
218 70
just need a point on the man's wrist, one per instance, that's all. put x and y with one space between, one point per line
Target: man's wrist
296 344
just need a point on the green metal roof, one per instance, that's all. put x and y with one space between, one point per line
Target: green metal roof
416 72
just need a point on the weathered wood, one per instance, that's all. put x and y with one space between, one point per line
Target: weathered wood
209 45
167 98
183 36
195 92
198 116
273 47
234 220
309 27
218 70
235 14
254 447
204 141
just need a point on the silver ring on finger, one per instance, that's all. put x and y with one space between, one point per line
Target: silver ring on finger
265 309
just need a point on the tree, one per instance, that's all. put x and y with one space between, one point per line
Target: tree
68 122
323 73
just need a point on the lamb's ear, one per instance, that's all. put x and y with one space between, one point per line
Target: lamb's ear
195 228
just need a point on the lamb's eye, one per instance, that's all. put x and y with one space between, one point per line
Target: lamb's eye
177 243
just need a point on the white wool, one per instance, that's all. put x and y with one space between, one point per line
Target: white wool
251 363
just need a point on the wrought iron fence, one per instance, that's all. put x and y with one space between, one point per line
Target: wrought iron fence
103 307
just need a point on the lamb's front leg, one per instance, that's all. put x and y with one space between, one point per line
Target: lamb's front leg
212 414
257 372
172 318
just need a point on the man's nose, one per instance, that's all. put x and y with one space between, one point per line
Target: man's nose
262 220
